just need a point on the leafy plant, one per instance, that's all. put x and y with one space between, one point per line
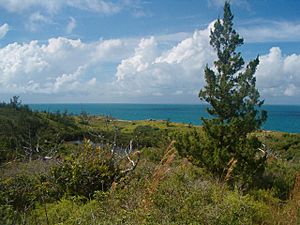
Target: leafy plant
147 136
90 170
19 192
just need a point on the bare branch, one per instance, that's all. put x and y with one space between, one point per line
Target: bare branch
267 152
114 143
133 163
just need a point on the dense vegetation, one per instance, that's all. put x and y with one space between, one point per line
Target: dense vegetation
85 183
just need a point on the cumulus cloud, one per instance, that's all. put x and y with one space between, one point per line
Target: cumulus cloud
175 71
131 69
179 70
62 65
279 75
71 25
3 30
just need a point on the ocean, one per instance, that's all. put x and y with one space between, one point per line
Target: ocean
284 118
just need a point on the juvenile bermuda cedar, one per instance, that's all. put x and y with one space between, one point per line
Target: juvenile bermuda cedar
225 147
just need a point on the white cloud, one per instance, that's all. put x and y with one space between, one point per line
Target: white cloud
279 75
144 55
116 67
69 82
71 25
35 20
291 90
131 69
179 70
268 31
52 6
44 11
165 72
21 5
62 65
106 7
3 30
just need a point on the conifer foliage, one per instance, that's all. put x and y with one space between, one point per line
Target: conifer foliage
234 100
230 91
226 148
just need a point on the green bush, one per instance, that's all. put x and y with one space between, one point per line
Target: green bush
240 166
7 215
152 154
147 136
180 199
106 208
19 192
285 145
55 213
90 170
188 196
279 177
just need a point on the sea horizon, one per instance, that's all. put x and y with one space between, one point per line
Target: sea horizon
134 103
284 118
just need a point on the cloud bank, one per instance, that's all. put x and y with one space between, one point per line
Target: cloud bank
130 70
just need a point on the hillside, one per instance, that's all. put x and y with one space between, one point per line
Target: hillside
58 168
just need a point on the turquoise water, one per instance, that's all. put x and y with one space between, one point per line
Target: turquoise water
280 117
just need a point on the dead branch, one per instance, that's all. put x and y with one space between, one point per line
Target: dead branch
133 163
50 152
267 152
30 148
114 143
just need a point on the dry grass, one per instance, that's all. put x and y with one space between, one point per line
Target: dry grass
231 166
160 172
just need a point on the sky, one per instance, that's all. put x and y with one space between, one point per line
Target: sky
139 51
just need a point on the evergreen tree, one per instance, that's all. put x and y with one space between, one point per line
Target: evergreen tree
227 146
231 92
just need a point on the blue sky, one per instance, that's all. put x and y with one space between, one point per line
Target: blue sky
136 51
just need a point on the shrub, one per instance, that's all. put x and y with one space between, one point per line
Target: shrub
147 136
19 192
279 177
7 215
90 170
188 196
